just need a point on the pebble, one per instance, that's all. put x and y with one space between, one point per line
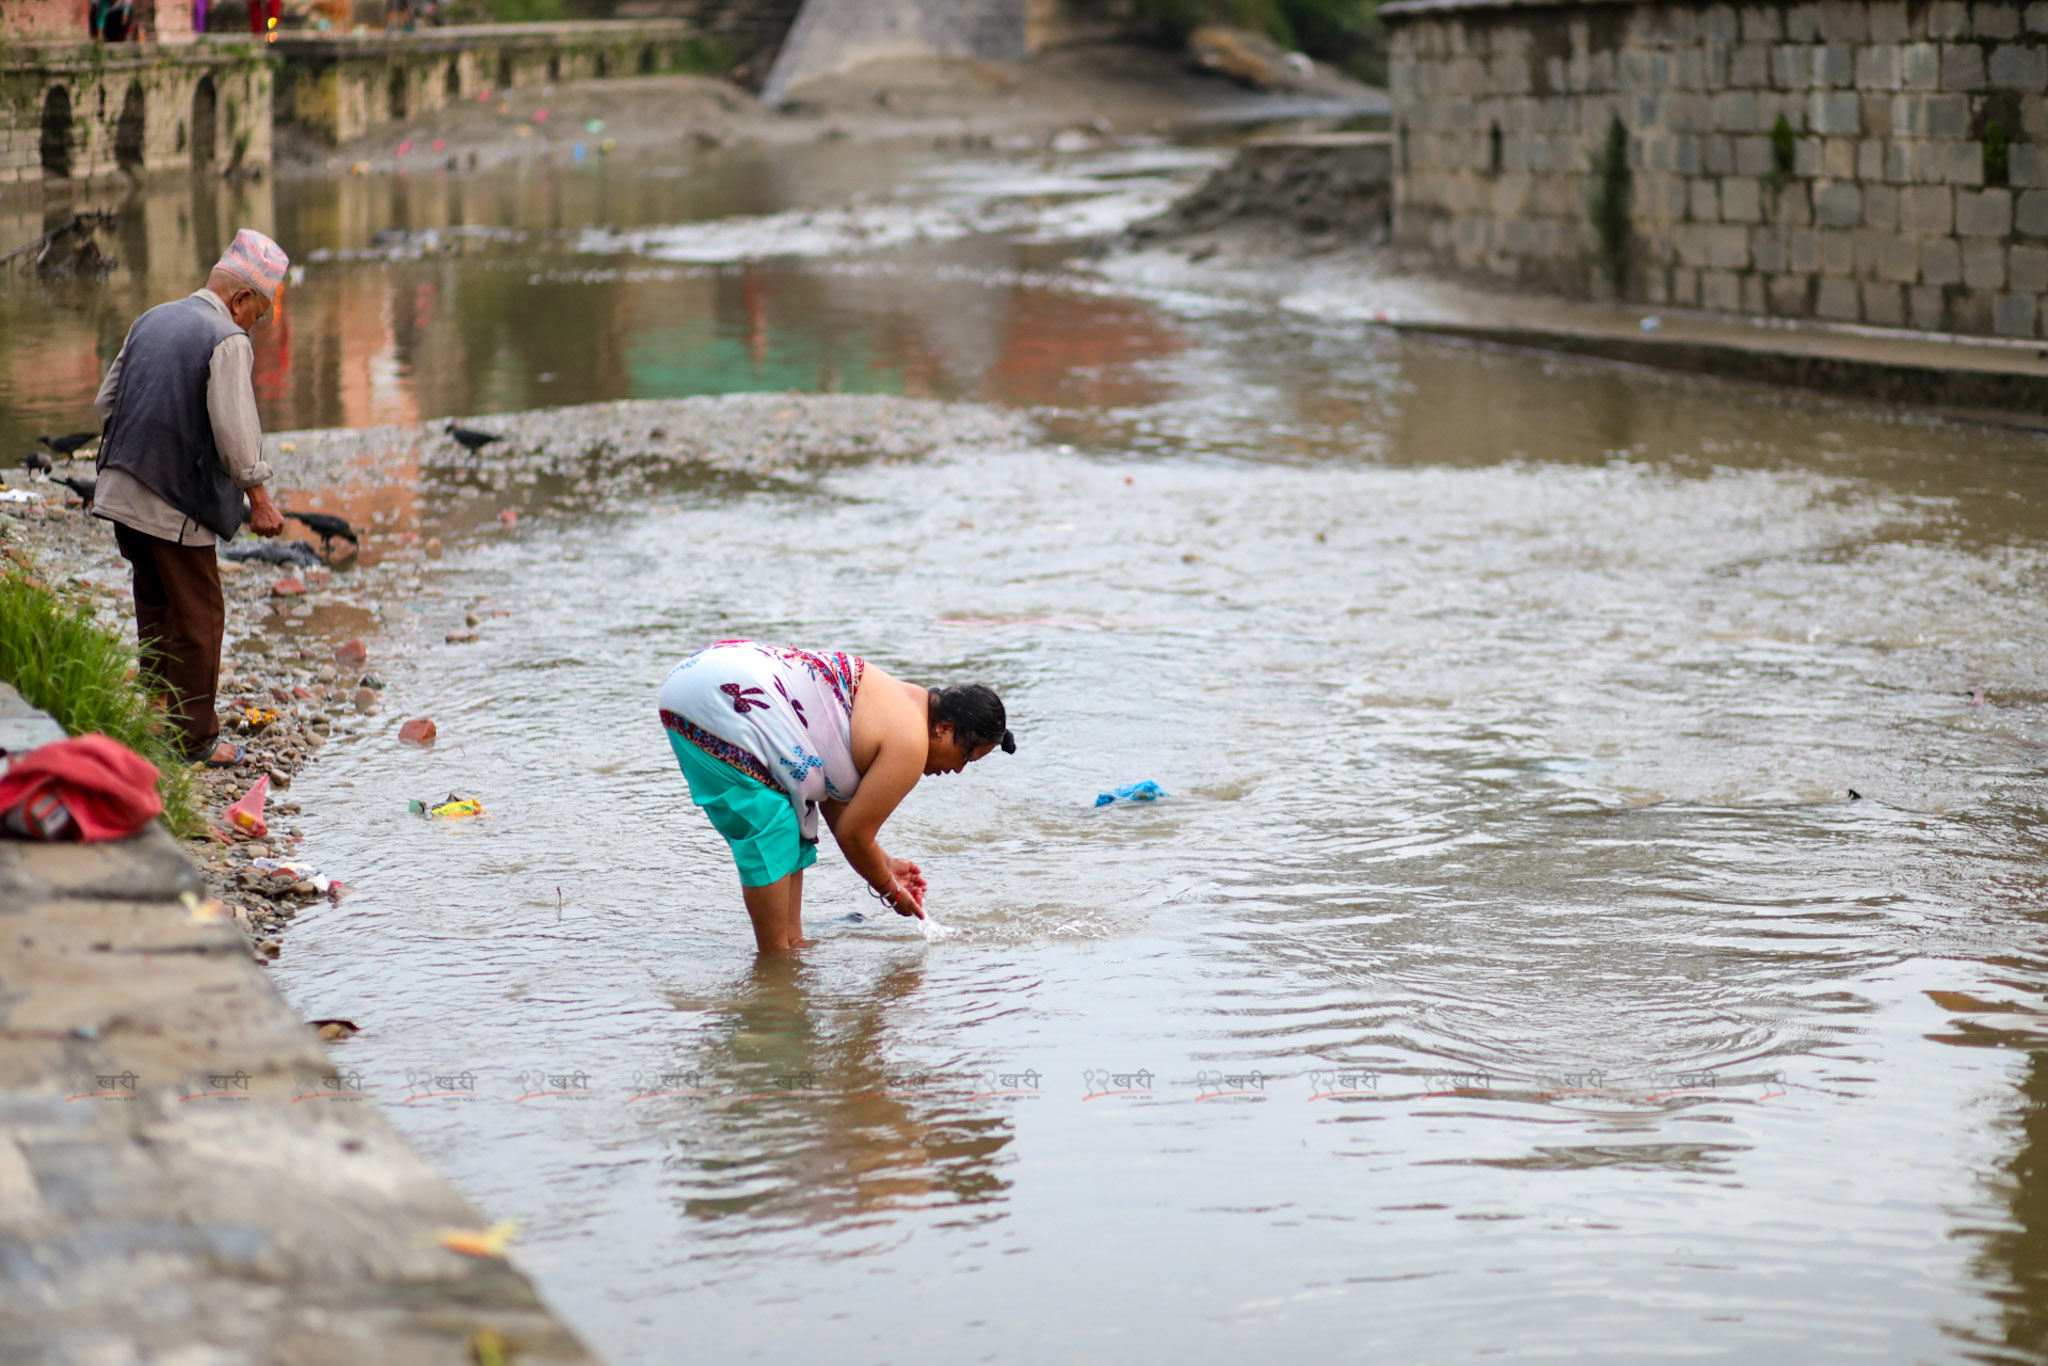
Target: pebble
279 778
287 588
433 547
366 701
418 731
460 637
351 652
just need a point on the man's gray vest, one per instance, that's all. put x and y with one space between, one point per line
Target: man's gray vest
160 430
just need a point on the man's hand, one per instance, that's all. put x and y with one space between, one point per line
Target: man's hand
264 518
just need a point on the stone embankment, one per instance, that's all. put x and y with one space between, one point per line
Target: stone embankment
1880 163
1300 220
186 1174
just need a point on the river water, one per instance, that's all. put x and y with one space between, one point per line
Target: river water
1594 912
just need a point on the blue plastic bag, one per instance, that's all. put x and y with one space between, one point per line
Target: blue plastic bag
1147 791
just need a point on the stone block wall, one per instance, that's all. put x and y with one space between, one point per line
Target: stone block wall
1882 162
77 111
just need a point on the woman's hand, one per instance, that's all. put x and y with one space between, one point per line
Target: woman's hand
906 887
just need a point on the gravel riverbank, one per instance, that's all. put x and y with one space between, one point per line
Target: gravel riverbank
318 656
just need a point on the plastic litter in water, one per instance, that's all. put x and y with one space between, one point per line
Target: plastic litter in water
454 809
1147 791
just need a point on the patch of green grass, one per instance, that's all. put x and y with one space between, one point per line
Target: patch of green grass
64 662
1997 154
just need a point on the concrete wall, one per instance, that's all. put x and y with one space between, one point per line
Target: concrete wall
1822 159
340 86
133 107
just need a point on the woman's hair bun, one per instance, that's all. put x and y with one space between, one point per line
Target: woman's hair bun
976 715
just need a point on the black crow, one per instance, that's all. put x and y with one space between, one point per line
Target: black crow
65 445
326 526
37 461
84 487
472 438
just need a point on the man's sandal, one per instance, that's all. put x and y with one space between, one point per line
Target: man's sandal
207 755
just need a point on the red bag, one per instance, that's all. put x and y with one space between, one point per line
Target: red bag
87 788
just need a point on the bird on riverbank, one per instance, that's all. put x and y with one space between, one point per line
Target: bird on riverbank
69 442
84 486
37 462
471 438
326 526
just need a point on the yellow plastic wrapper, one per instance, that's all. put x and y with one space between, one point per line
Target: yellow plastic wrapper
454 809
482 1242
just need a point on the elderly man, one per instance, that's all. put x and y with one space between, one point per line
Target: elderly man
180 444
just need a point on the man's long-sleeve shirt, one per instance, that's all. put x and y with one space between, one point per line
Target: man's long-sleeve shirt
237 435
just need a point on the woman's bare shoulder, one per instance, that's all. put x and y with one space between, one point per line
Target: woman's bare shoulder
887 703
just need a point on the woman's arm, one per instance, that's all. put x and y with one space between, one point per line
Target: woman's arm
856 824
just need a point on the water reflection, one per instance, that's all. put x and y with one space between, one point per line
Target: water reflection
816 1119
2013 1261
57 336
448 294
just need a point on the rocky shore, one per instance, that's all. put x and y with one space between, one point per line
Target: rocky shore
309 649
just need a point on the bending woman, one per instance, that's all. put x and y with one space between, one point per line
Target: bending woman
769 736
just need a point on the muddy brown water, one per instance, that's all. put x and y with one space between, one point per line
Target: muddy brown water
1509 972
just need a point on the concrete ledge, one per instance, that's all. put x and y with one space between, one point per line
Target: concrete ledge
115 58
1413 9
22 727
2005 395
464 37
149 867
185 1172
